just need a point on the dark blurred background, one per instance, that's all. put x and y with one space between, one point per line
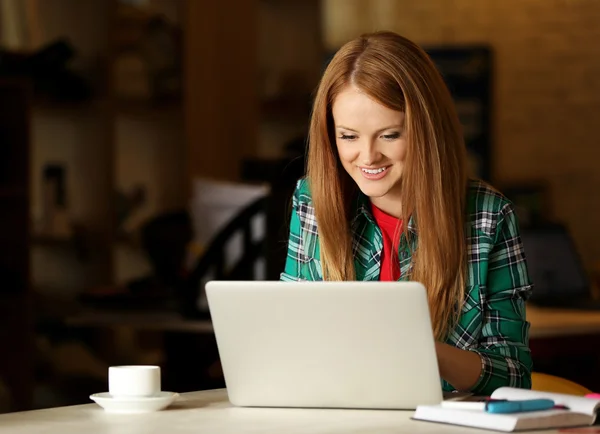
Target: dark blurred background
147 146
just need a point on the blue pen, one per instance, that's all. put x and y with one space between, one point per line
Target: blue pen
519 406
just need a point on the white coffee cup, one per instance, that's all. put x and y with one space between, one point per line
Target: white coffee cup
134 380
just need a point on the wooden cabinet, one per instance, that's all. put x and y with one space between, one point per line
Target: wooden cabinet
122 150
246 70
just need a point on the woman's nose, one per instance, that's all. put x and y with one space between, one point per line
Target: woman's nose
370 154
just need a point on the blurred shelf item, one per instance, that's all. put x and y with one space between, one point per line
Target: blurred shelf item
127 240
77 241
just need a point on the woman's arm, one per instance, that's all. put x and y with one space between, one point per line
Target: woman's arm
461 368
293 268
499 355
503 343
297 263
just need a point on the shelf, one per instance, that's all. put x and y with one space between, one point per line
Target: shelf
76 240
74 244
64 108
52 241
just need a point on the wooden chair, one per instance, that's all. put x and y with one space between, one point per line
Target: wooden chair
192 359
554 384
212 262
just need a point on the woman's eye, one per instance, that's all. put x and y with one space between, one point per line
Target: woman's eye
392 136
347 137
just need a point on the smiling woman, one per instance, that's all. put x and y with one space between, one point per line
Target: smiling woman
371 145
386 197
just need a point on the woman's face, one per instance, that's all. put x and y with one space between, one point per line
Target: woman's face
372 146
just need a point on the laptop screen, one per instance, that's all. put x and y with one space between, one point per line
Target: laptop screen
553 262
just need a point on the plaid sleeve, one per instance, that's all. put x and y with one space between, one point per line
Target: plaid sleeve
299 264
295 249
504 341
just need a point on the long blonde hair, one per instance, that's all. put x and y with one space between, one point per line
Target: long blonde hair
399 75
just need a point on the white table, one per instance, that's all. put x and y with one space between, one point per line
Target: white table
210 412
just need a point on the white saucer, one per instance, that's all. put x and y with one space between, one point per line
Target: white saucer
132 405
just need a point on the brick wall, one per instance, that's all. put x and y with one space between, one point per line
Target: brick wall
547 86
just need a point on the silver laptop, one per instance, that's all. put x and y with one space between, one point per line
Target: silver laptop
325 344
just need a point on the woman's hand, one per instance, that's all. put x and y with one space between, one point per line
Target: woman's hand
460 368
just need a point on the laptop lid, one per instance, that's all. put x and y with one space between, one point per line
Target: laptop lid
554 265
325 344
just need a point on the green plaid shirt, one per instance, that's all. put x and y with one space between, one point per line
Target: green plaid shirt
492 321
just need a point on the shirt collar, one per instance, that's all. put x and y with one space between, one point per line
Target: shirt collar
363 209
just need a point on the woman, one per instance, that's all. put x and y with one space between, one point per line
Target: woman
387 197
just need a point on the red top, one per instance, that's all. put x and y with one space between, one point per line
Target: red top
390 228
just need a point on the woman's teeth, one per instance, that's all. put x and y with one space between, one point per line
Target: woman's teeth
374 171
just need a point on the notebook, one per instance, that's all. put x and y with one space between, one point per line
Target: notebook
580 412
